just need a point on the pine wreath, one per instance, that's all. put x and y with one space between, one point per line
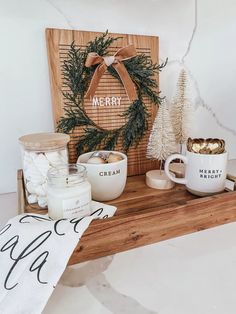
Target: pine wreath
77 78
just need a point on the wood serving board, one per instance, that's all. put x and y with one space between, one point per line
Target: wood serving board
145 216
58 44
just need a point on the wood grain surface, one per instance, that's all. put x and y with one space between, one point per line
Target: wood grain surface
146 216
58 44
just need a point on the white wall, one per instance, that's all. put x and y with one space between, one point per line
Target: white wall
210 59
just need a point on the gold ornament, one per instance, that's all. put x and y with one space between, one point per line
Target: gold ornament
114 158
96 160
206 146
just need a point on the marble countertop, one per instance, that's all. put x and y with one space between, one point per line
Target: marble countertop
193 274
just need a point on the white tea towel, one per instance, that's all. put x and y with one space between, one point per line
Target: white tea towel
34 251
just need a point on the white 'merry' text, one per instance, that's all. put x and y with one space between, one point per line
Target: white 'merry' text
106 101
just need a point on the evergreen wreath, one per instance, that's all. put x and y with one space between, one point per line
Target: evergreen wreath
77 78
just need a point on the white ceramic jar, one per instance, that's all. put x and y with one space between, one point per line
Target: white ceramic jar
107 180
40 152
69 192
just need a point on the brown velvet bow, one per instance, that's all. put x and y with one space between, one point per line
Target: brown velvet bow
116 61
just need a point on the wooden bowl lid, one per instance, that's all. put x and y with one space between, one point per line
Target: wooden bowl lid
44 141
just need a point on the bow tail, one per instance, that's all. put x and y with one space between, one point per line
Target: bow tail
100 70
126 80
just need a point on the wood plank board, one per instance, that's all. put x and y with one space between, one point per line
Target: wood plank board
58 44
146 216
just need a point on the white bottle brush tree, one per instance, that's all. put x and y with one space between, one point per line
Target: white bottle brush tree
181 111
162 138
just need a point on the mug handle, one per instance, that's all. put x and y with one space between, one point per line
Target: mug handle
167 170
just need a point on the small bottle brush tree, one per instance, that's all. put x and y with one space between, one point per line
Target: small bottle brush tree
162 138
181 111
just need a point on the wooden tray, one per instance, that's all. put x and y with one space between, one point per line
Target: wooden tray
146 216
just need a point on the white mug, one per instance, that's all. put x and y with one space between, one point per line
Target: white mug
205 174
107 180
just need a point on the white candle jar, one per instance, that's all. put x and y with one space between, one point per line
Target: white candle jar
41 152
69 192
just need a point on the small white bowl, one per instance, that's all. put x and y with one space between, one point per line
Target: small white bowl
107 180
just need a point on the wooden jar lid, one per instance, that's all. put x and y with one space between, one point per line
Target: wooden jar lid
44 141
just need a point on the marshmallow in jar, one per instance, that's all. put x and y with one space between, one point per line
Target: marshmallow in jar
41 152
69 192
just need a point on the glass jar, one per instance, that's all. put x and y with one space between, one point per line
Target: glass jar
41 152
69 192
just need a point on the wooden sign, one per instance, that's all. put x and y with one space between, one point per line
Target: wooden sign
110 100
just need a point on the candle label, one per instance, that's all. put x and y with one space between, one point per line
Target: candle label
77 206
